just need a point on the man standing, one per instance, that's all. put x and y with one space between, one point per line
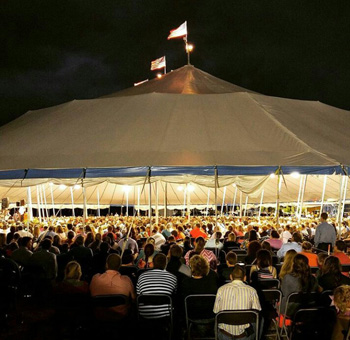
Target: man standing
325 235
24 253
232 296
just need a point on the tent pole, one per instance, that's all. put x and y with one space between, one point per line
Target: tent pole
299 196
44 195
157 206
38 200
278 195
323 193
98 202
84 202
208 202
127 203
344 198
240 205
188 204
52 200
246 205
41 203
302 198
216 196
30 206
138 200
261 202
71 193
234 200
223 201
165 200
184 208
150 197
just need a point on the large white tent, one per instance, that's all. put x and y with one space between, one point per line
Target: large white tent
187 127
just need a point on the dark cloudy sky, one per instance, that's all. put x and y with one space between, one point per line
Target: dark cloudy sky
53 51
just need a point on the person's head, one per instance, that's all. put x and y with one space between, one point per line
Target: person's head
340 246
199 266
175 251
321 257
266 245
238 273
342 298
113 262
72 271
70 235
199 244
332 266
253 248
27 242
79 241
307 247
159 261
151 240
46 244
296 237
302 271
128 258
104 247
231 237
253 236
148 250
324 217
171 239
274 234
231 259
287 265
263 258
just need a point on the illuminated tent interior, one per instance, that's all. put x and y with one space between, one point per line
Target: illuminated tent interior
187 128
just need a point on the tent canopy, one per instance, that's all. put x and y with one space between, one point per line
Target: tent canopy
180 128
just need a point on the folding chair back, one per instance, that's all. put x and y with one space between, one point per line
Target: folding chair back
237 317
270 283
313 323
104 306
272 299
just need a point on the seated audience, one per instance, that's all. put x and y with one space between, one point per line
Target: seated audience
331 276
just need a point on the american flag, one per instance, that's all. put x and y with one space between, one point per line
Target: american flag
181 31
158 63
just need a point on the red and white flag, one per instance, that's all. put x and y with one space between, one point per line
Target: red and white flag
158 63
181 31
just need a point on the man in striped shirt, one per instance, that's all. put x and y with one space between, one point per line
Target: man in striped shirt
156 281
232 296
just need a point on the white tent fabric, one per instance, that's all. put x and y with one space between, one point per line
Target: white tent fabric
187 118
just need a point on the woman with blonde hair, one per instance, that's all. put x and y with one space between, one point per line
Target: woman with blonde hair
71 283
287 265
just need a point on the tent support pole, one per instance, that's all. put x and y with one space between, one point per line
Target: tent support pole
344 198
234 200
84 202
127 203
71 193
184 208
52 201
240 204
44 195
165 200
261 202
41 203
302 198
98 202
299 196
208 202
278 195
223 201
188 203
216 196
150 197
38 200
246 206
29 205
138 201
323 194
157 201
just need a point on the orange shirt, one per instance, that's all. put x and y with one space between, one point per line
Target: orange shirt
196 232
311 257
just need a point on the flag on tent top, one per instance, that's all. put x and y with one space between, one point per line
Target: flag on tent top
158 63
181 31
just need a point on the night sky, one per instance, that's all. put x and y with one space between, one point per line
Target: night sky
55 51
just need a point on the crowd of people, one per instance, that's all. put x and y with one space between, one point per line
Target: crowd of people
231 258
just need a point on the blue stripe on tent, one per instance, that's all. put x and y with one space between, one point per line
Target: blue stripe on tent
116 172
312 170
55 173
12 174
184 170
246 170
